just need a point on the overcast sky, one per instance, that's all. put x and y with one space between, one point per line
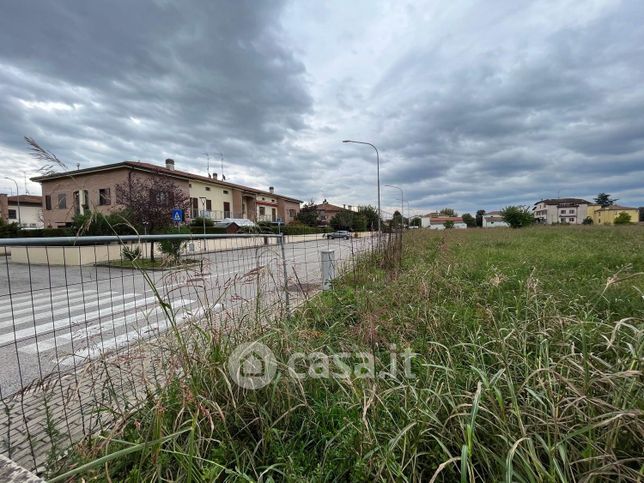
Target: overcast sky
473 105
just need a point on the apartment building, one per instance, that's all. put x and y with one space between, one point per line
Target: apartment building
23 209
75 192
561 210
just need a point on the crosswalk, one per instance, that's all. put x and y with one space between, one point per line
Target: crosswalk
71 325
44 329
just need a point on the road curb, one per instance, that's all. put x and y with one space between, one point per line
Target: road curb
11 472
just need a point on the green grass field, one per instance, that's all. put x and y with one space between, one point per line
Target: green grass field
528 368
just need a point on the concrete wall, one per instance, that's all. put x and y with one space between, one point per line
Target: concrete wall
91 254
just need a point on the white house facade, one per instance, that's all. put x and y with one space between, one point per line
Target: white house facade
493 219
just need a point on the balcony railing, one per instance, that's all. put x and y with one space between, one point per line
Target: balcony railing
217 215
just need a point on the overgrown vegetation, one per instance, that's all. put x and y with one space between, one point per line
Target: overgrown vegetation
528 368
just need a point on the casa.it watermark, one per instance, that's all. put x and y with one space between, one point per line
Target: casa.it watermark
253 365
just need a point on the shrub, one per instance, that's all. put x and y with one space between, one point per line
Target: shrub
210 230
199 221
517 216
587 221
622 219
170 247
131 253
448 224
98 224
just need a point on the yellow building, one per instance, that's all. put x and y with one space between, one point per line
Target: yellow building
607 215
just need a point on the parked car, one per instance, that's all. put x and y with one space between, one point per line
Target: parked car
344 234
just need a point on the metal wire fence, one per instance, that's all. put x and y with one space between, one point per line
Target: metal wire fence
85 321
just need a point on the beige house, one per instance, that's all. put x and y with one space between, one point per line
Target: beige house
607 215
326 211
75 192
23 209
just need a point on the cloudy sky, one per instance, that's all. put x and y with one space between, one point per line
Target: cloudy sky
473 104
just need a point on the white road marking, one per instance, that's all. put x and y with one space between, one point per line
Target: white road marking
67 321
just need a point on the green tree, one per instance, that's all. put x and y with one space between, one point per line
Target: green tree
604 200
448 212
359 222
517 216
416 221
587 221
308 214
622 218
370 213
449 224
343 220
397 220
469 220
479 217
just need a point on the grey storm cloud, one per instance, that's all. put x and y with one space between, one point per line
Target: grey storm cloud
474 106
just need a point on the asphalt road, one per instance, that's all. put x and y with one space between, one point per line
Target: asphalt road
56 318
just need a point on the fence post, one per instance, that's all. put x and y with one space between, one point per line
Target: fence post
327 258
287 296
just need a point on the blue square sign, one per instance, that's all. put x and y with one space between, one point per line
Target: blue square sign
177 215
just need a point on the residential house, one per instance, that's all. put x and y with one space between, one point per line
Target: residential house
326 211
74 192
23 209
561 210
607 215
435 221
493 219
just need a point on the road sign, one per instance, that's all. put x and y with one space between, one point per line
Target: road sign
177 215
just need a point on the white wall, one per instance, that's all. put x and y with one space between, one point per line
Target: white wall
494 224
440 226
30 216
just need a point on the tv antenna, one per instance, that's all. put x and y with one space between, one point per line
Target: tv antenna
221 157
208 164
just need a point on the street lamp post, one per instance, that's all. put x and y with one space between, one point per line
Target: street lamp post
17 198
402 202
378 166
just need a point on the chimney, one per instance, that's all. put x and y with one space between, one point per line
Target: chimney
169 164
349 207
214 175
271 189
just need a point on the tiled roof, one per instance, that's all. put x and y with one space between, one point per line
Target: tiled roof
162 170
30 199
329 206
564 201
443 219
